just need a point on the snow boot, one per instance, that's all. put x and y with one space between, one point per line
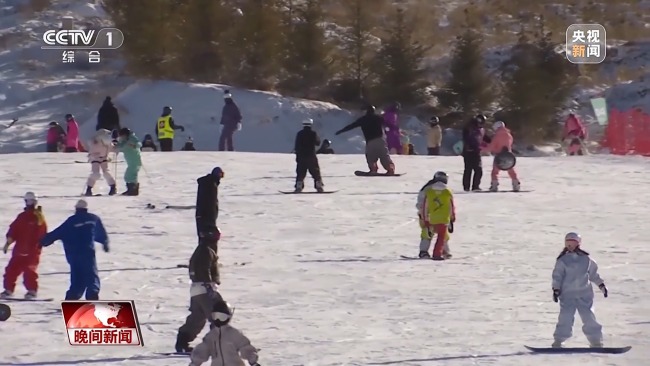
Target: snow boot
556 344
435 258
299 186
516 185
391 169
424 254
113 190
129 189
30 295
136 189
319 186
5 294
596 344
182 343
89 191
494 186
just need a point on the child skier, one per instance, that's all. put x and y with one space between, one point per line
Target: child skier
98 149
391 126
573 275
434 136
129 145
204 275
224 342
26 231
72 143
189 145
576 133
502 141
436 212
325 147
306 160
56 137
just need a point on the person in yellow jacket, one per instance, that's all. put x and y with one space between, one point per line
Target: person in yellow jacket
165 129
437 214
434 136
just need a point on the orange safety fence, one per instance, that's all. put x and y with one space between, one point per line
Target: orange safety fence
627 133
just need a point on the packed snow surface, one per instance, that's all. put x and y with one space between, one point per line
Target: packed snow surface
323 283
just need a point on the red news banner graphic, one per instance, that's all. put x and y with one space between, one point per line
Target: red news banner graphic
102 323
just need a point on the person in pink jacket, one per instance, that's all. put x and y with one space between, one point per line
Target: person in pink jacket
501 141
391 127
98 150
576 133
72 134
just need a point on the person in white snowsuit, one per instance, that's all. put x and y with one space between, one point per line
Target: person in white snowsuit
573 276
225 344
98 150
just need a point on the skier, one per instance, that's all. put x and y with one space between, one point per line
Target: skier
107 117
434 136
207 203
72 134
148 144
189 145
230 122
26 231
391 126
376 147
98 150
165 129
473 135
55 137
436 213
573 276
325 147
204 275
502 141
574 132
306 160
79 234
225 344
129 145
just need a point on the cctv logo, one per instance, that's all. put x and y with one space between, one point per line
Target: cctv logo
69 38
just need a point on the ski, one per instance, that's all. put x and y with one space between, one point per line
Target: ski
310 192
608 350
407 258
174 353
87 162
26 300
360 173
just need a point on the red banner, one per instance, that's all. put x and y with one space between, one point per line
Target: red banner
628 133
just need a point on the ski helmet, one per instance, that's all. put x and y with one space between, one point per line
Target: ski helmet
370 109
327 142
53 124
222 312
440 177
124 132
167 109
572 241
308 122
30 198
498 124
480 118
434 120
69 117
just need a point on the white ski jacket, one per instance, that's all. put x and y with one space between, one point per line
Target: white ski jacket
227 346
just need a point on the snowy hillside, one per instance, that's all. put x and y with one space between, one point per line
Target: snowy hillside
323 283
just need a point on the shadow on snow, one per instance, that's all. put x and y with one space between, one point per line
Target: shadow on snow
449 358
114 270
91 361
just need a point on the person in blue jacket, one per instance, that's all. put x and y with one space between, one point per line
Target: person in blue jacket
79 234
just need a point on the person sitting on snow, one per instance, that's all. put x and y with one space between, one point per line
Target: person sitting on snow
325 148
148 144
189 145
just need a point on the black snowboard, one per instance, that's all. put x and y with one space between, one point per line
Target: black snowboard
610 350
308 192
174 353
360 173
5 312
26 300
522 191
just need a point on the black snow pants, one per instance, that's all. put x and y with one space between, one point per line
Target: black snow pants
166 144
306 164
473 164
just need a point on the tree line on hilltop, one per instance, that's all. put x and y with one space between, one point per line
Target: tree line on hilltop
353 51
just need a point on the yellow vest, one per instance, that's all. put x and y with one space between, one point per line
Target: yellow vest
165 130
438 206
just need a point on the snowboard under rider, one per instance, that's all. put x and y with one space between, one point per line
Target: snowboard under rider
573 276
436 215
307 140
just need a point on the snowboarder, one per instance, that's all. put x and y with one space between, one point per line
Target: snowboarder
165 129
107 117
391 126
376 148
573 276
230 122
306 160
576 133
207 203
325 147
129 145
434 136
473 135
189 145
26 231
224 342
501 141
98 150
56 137
79 234
72 134
436 212
204 275
148 144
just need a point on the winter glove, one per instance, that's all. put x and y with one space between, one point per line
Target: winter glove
450 227
556 295
602 288
239 126
182 128
210 291
6 248
106 248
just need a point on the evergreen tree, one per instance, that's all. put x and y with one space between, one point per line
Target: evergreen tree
399 65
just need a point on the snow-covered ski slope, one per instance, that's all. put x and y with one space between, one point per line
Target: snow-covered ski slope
324 284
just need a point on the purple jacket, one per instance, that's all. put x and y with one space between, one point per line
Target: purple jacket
472 139
390 120
230 114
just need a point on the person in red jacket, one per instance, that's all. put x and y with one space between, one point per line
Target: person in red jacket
26 231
